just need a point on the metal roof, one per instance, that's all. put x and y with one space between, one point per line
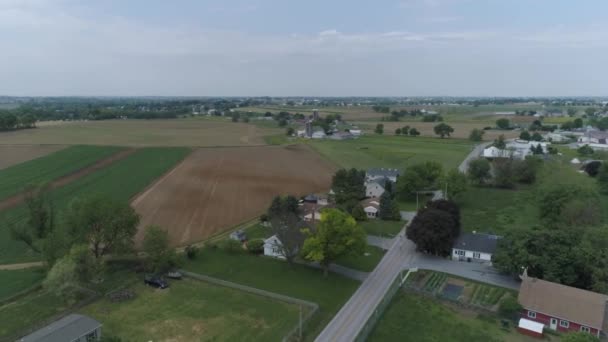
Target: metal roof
383 172
477 242
69 328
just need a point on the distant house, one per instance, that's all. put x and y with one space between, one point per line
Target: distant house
562 308
301 133
73 328
379 173
375 188
478 247
555 137
371 208
341 136
319 135
575 161
272 247
493 152
594 137
355 132
238 235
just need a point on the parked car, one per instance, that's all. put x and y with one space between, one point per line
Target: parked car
155 281
174 275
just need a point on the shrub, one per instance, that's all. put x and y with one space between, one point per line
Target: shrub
230 245
191 252
509 308
255 246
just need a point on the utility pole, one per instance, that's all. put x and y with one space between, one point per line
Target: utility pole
300 337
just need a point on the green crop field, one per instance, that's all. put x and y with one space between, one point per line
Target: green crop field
190 310
52 166
121 181
15 281
277 276
412 317
393 151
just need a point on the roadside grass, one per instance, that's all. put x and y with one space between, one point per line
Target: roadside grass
412 204
14 179
411 317
276 139
395 152
298 281
388 229
120 181
365 262
189 309
15 281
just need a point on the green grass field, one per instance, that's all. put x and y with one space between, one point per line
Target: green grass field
121 181
382 228
396 152
277 276
366 262
192 310
412 317
15 281
52 166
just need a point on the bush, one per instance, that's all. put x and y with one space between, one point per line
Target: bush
191 252
509 308
255 246
230 246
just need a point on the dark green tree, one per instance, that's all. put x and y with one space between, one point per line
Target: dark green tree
443 130
476 134
479 171
379 129
432 231
500 142
503 123
525 135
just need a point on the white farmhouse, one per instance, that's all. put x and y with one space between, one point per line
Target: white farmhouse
272 247
371 209
494 152
375 188
380 173
477 247
318 135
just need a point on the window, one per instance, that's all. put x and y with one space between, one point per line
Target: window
564 324
531 314
92 336
585 329
459 252
476 255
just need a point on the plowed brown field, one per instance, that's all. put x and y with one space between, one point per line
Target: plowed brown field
216 188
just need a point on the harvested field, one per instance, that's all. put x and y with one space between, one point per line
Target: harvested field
16 154
214 189
174 132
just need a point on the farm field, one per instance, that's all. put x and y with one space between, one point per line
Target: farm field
215 189
15 154
390 151
298 281
412 317
15 281
192 310
174 132
69 161
121 181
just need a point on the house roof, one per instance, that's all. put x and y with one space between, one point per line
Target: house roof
564 302
380 181
68 328
597 135
477 242
382 172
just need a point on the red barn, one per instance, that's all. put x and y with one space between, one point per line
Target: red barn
563 308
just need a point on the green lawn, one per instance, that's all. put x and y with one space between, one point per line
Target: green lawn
366 262
277 276
258 231
121 180
396 152
15 281
412 317
50 167
192 310
382 228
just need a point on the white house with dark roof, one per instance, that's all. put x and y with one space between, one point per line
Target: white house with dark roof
478 247
379 173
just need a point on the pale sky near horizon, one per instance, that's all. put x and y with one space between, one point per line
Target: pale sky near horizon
307 48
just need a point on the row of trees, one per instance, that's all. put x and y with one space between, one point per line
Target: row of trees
430 176
9 121
406 130
506 172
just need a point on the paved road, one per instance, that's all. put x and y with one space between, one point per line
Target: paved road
475 153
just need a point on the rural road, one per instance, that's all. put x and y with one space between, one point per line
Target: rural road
11 267
476 152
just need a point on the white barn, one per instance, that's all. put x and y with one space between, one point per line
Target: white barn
272 247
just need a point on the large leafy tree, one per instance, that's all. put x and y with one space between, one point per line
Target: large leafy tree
40 219
388 208
287 226
557 204
455 182
432 230
479 171
503 123
349 188
106 225
443 130
476 134
419 177
504 175
602 178
335 236
160 257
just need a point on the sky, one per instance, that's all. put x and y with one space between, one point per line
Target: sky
303 48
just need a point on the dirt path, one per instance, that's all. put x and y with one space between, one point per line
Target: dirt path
12 267
15 200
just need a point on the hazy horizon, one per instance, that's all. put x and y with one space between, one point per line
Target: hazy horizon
400 48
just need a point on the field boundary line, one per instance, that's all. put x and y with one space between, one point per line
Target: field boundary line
142 194
295 331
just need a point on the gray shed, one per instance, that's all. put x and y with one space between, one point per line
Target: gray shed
71 328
